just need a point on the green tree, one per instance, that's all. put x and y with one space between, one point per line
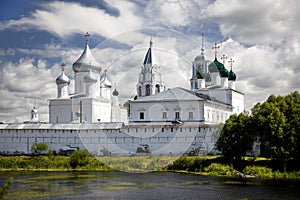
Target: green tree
270 124
236 138
79 158
39 148
290 106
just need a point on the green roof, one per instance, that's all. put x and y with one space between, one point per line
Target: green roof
232 76
224 72
219 65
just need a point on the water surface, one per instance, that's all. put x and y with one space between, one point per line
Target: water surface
160 185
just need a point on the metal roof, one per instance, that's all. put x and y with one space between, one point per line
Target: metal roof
83 126
173 94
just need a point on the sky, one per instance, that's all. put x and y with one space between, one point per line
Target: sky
37 36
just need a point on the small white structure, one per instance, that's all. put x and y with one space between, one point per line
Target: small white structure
34 115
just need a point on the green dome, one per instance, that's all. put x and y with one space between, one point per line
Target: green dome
232 76
219 65
212 68
224 72
215 66
200 74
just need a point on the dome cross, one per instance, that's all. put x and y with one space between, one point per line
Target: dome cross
202 45
63 66
87 35
215 48
224 58
150 42
231 61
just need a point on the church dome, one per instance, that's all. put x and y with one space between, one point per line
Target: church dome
224 72
199 58
86 62
212 68
232 76
216 66
115 92
104 80
150 57
62 79
90 78
219 65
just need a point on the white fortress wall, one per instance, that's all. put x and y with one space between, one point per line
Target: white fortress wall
113 138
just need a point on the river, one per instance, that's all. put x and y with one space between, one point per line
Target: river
155 185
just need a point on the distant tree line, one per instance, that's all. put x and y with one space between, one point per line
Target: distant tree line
274 125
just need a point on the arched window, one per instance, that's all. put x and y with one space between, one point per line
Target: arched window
147 90
157 89
139 91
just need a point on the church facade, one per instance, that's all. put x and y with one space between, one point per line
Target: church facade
92 100
211 99
160 120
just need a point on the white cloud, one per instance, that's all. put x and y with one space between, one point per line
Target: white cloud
24 84
65 18
261 71
7 52
257 21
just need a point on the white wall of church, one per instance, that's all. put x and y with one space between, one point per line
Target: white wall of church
214 114
167 111
60 111
179 139
238 102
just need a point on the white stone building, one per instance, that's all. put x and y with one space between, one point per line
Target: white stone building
91 102
211 99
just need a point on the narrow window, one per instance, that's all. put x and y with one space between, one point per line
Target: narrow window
139 91
142 116
157 89
191 115
147 90
177 115
164 115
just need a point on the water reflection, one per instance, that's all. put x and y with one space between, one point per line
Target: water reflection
163 185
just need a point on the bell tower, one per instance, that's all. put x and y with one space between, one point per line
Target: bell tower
150 78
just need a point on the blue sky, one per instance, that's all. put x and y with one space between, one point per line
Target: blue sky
36 36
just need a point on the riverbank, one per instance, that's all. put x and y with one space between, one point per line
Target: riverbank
209 165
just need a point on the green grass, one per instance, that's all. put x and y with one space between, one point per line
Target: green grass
138 163
208 165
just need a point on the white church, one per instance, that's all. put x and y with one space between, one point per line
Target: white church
159 120
93 100
211 99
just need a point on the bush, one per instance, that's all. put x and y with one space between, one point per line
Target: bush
217 169
261 171
79 158
39 148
